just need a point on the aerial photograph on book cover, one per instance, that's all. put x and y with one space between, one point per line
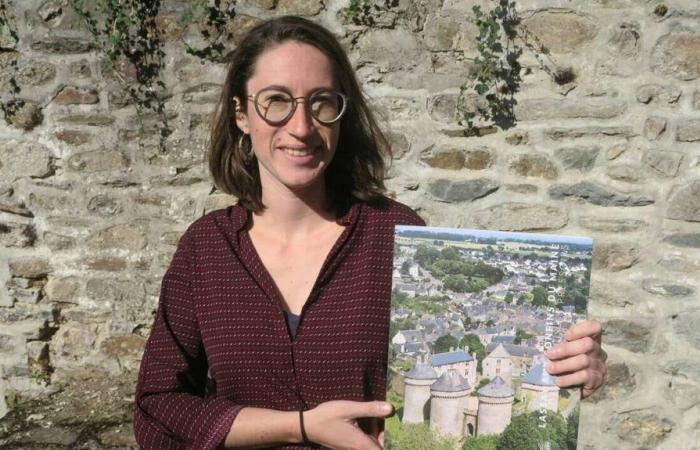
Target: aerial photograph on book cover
472 313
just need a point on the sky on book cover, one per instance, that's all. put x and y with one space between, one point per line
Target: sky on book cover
472 313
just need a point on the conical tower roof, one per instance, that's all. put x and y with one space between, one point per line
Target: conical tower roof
539 377
450 381
497 388
421 371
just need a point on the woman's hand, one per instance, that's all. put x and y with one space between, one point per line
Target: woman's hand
334 424
580 361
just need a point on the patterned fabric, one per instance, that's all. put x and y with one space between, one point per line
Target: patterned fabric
221 314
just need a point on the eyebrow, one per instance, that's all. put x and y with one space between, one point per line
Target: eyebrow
286 89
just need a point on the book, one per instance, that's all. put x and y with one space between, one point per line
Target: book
472 313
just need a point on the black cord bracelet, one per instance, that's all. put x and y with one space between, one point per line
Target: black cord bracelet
303 430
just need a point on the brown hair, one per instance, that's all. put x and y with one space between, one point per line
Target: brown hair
357 169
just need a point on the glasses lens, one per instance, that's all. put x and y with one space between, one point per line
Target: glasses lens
327 106
274 105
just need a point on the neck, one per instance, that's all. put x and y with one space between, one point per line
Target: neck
294 215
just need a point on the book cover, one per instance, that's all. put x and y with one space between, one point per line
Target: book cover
472 313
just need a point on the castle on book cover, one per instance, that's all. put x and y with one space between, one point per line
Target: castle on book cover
473 312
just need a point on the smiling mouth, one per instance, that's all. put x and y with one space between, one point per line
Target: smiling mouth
299 151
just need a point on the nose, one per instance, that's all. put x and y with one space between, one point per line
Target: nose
301 123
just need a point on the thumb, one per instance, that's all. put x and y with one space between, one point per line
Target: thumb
369 409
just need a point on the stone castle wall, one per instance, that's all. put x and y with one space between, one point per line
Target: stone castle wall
90 212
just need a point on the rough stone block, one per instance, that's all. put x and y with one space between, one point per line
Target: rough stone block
93 120
73 137
64 290
666 288
29 267
460 191
624 172
579 158
557 134
625 41
104 205
13 234
658 94
654 127
521 217
29 72
688 130
620 382
443 107
97 161
633 336
62 45
611 225
684 203
129 236
677 54
690 240
444 33
599 195
534 165
25 115
450 159
666 163
300 7
545 108
389 49
24 159
615 256
70 95
643 427
561 31
686 326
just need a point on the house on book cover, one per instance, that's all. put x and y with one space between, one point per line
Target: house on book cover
441 389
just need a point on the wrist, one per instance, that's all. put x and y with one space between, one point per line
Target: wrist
302 428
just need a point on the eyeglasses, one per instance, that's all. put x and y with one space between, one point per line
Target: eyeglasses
276 106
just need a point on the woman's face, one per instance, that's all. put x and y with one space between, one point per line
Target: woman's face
293 155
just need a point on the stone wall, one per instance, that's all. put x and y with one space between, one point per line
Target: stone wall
91 209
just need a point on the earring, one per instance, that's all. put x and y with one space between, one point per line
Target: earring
248 153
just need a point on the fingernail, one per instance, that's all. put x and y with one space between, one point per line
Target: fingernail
387 408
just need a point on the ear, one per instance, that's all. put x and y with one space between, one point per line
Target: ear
241 117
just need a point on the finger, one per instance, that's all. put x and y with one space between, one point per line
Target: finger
591 328
588 379
365 442
568 349
380 438
570 365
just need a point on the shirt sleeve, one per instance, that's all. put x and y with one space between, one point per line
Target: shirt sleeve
171 410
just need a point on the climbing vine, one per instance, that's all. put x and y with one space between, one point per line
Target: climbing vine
126 30
495 77
9 38
212 20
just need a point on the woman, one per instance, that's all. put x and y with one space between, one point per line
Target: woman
272 323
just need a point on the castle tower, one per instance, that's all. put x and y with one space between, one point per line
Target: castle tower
450 394
539 389
416 395
495 407
498 363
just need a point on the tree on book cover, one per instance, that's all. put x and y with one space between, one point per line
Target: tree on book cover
473 312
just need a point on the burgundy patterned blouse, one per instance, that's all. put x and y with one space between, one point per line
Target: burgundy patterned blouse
221 318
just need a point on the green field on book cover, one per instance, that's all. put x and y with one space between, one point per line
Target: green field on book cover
473 312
